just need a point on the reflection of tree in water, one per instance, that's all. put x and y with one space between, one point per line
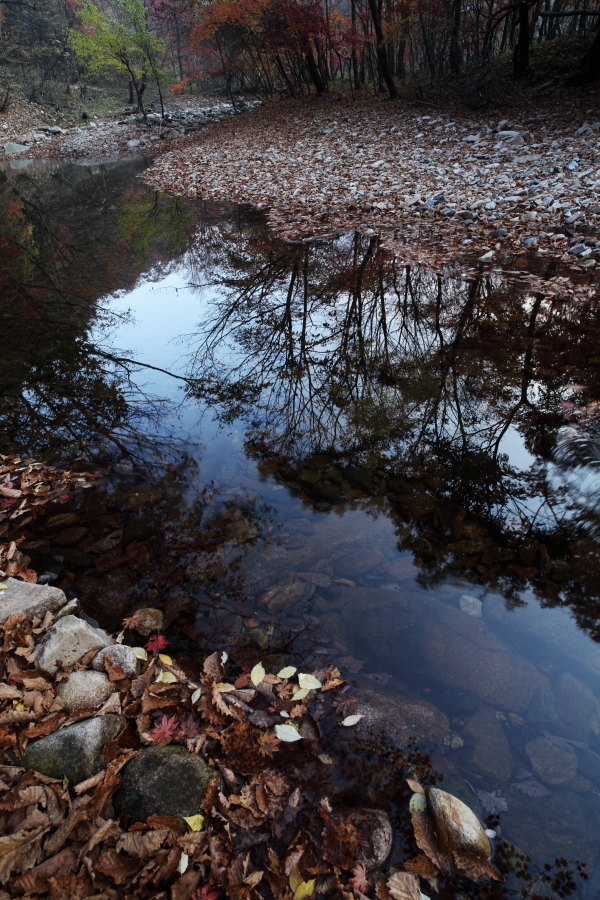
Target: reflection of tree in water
68 238
424 382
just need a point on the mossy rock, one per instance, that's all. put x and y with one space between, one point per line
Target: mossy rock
165 781
74 752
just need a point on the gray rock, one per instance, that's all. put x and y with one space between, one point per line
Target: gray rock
74 752
457 825
399 717
120 655
553 764
487 257
55 129
165 781
85 688
577 709
491 755
12 147
133 143
151 620
375 834
19 597
67 641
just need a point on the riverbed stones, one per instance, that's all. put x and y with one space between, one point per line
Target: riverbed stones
577 709
375 834
148 620
85 688
14 148
553 764
67 641
458 651
457 825
74 752
166 781
399 717
21 598
491 755
119 655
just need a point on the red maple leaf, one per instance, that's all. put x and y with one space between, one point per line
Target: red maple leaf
156 643
189 729
165 731
205 893
359 879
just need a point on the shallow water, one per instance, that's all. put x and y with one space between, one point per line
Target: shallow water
315 453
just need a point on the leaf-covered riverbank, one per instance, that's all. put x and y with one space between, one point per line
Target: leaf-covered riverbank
437 185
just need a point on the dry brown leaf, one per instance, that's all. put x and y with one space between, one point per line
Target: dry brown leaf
73 886
143 844
404 886
415 787
475 867
427 841
114 865
20 851
420 865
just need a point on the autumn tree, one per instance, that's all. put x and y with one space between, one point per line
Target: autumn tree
117 37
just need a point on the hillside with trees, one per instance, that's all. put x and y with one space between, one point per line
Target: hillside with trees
56 51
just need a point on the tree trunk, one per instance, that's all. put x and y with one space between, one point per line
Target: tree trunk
455 56
589 67
313 69
382 56
521 53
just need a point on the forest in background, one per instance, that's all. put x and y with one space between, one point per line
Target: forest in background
64 51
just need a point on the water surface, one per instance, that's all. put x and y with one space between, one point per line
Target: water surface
314 453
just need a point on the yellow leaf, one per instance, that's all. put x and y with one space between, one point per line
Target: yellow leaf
167 678
165 660
224 688
305 889
195 823
257 674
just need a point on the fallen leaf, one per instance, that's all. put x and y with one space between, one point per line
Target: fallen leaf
195 823
257 674
404 886
287 733
352 720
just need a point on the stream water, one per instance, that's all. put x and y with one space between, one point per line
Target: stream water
313 453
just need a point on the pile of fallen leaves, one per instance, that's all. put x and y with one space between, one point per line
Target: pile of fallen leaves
26 486
337 165
265 827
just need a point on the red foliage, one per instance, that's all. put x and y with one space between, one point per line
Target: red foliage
206 892
166 730
156 643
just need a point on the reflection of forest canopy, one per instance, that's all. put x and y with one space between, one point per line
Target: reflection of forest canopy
68 238
337 349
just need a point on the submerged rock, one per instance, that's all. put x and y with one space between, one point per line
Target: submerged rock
399 717
67 641
492 754
166 781
74 752
457 825
553 764
85 688
375 832
151 620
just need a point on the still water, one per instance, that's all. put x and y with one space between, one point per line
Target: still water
312 453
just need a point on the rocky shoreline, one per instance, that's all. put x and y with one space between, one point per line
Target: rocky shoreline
105 789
